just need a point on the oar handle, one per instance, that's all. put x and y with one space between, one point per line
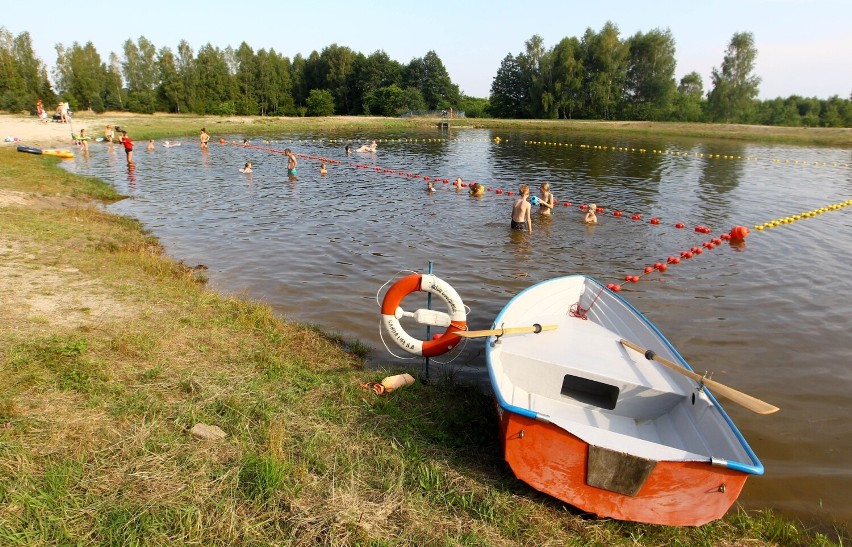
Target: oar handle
743 399
536 328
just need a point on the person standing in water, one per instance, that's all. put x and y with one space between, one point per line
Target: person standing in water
291 162
205 138
546 199
83 140
521 210
128 147
591 218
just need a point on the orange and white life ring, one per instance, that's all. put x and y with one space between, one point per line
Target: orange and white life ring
455 322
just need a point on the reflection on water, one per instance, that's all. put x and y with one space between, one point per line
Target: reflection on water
769 318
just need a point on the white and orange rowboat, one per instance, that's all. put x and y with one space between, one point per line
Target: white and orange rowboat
588 419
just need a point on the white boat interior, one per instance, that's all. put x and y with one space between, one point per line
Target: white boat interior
581 378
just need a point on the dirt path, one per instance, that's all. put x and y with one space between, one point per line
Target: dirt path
17 130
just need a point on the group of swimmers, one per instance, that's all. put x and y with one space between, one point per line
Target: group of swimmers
545 200
522 207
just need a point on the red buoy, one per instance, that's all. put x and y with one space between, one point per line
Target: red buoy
599 210
567 204
679 225
498 191
583 207
649 269
739 232
616 213
636 217
655 220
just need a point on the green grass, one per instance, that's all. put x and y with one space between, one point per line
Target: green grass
99 410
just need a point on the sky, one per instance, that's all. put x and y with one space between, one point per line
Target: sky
804 46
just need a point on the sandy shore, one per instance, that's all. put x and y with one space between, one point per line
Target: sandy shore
30 131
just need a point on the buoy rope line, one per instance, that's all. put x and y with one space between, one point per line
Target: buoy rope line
680 153
736 236
593 147
802 216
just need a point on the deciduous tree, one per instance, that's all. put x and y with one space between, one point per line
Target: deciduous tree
735 87
650 85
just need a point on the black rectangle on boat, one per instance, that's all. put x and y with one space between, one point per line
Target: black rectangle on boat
589 391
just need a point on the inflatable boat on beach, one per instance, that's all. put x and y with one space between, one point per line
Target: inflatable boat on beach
47 152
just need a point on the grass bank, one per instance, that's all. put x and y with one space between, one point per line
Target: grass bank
111 353
160 126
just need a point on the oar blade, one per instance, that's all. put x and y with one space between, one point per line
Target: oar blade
752 403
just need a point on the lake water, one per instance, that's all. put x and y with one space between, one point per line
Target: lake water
770 318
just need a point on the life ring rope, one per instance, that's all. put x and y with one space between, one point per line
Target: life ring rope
392 312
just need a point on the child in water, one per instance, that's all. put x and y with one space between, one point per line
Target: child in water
247 168
521 210
546 200
323 170
430 187
591 218
128 147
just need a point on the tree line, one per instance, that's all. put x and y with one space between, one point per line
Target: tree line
601 76
597 76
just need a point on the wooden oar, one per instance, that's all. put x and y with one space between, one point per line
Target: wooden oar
751 403
508 330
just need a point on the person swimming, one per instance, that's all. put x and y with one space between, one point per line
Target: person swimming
368 147
247 168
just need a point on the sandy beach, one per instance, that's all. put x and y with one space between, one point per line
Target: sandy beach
18 130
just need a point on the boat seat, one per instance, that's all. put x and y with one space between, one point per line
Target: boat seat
588 366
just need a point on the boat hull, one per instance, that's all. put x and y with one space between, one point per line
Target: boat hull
556 462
